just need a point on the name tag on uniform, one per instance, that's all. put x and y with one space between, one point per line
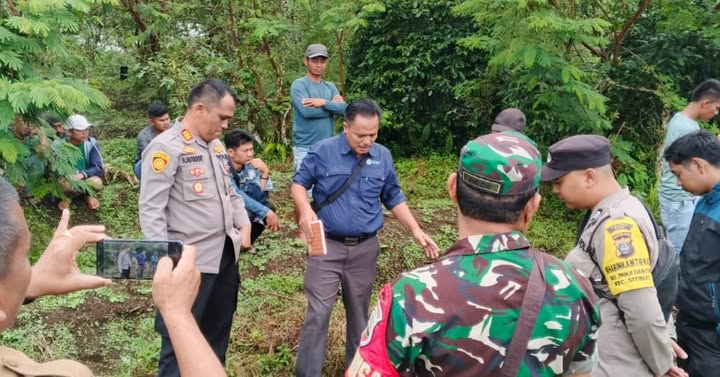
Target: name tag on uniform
192 159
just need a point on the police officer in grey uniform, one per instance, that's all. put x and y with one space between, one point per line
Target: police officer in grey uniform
620 233
186 194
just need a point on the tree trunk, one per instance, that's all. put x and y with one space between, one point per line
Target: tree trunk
341 63
11 8
275 67
626 28
153 40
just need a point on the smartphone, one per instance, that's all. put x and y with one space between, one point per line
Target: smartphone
133 259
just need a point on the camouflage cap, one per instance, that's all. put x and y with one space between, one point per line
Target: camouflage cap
502 163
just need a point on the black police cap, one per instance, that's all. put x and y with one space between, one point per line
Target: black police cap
575 153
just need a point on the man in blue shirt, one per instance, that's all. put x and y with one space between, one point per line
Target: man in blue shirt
676 204
694 160
351 223
315 103
251 178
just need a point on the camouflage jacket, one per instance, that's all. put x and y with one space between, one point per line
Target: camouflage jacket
455 317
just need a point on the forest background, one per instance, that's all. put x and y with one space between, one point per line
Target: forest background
441 70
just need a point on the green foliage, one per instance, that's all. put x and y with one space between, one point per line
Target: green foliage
538 62
119 152
136 344
31 38
425 178
280 360
111 328
41 220
553 227
661 64
109 294
407 59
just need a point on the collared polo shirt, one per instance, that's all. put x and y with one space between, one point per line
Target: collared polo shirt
357 211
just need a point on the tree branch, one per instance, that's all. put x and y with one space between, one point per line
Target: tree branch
632 88
341 62
11 8
597 52
628 24
153 39
275 67
259 91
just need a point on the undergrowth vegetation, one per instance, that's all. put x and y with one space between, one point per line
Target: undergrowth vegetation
111 329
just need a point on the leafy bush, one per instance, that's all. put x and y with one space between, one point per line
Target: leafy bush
32 36
408 60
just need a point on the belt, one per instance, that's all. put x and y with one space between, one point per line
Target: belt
349 241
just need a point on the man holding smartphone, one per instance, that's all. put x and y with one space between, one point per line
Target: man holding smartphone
186 177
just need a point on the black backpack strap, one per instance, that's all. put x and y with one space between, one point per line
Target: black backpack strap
353 176
531 305
659 232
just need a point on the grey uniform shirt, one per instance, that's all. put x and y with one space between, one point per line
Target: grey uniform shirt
186 194
642 348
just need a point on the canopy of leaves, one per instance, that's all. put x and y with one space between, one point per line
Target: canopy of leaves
407 58
32 39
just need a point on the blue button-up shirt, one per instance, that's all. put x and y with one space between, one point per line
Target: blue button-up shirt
357 211
247 185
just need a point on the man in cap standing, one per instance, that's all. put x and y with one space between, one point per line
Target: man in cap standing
315 103
509 119
89 167
186 176
617 249
461 315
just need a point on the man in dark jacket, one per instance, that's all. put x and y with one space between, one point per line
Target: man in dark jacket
695 160
159 122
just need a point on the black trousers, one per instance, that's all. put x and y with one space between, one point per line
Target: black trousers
702 345
257 228
213 310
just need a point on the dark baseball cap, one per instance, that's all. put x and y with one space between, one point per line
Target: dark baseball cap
509 120
501 163
577 152
315 50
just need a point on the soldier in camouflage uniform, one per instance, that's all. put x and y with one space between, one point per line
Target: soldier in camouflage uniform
455 317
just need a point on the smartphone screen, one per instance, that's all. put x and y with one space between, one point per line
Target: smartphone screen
133 259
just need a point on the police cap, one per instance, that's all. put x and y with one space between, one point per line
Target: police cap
575 153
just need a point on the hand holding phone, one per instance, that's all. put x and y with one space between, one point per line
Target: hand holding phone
175 285
136 259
